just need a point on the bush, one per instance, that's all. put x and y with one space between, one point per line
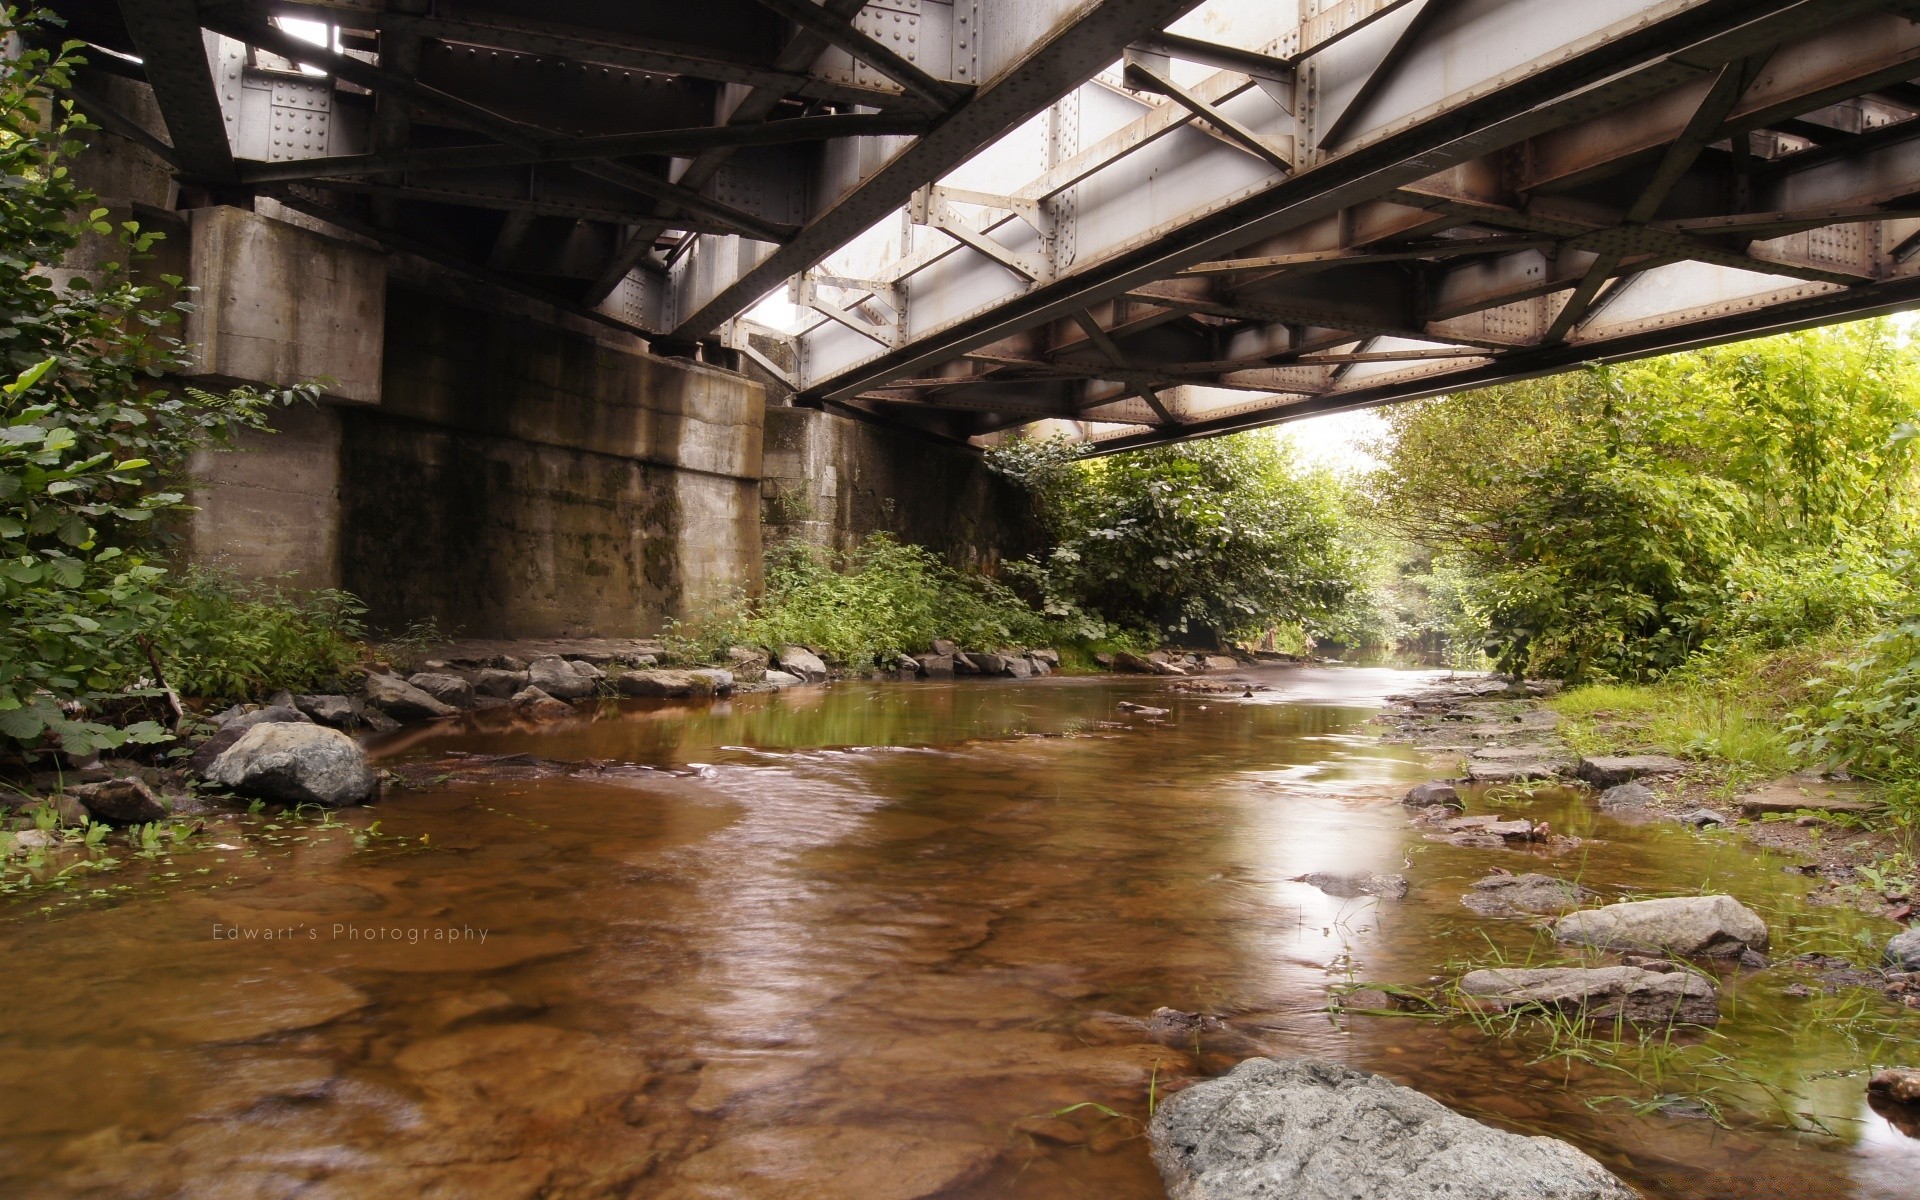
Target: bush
1867 716
883 600
227 640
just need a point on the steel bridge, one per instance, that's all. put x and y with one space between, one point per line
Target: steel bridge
1141 220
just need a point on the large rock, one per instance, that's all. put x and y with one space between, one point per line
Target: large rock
295 764
1903 952
798 660
1519 895
780 680
1609 770
1017 665
563 679
402 701
987 663
1811 792
1898 1084
447 689
1303 1129
1133 664
1713 926
937 666
500 684
661 683
1516 764
268 715
1047 656
1676 997
124 801
536 705
335 712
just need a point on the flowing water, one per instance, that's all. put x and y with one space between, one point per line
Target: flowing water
846 942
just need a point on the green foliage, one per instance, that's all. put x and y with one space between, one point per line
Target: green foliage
1616 522
226 640
1209 540
92 447
1866 716
883 600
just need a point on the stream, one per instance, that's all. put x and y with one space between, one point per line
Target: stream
868 941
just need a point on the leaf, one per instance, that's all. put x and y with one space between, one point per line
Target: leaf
22 724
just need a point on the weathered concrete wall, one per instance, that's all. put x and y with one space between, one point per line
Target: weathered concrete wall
521 479
833 480
269 507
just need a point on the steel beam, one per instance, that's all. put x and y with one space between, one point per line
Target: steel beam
174 53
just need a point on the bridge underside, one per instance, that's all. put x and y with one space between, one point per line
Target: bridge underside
1135 220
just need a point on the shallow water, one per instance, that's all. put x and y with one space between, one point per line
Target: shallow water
837 942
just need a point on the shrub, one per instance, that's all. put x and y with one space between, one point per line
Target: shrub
227 640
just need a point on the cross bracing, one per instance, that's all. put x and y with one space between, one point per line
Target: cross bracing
1137 221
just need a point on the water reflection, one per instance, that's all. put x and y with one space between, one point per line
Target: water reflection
839 942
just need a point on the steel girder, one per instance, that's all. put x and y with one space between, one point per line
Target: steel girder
1433 195
716 148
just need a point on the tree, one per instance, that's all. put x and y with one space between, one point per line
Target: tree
1204 541
93 442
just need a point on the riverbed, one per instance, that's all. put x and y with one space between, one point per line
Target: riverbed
876 941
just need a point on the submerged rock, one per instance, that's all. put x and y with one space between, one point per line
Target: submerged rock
1903 952
1606 771
402 701
1359 883
296 764
1898 1084
122 801
1305 1129
1625 797
1600 993
1713 926
1143 710
661 683
1439 791
1700 818
1520 764
533 703
335 712
1523 895
798 660
780 679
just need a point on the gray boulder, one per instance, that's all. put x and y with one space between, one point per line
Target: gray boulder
402 701
1700 818
719 682
1625 797
937 666
943 646
447 689
1304 1129
1520 895
1356 883
1133 664
1516 764
1017 665
988 664
335 712
798 660
562 679
1437 792
295 764
492 681
963 664
1609 770
1713 926
123 801
661 683
779 680
1903 952
1635 994
533 703
269 715
1049 657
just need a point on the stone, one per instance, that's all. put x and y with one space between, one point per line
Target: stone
1903 951
1625 797
1488 829
268 715
221 718
1606 771
1017 665
1219 662
663 683
1040 665
1520 895
124 801
1180 1030
780 679
907 667
1057 1130
1133 664
1810 792
561 678
1437 792
988 664
1516 764
204 754
536 704
798 660
1898 1084
1712 926
1356 883
963 664
501 684
941 646
28 840
377 721
335 712
1600 993
1049 657
507 662
748 663
1700 818
447 689
402 701
1143 710
1306 1129
937 666
296 764
719 682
